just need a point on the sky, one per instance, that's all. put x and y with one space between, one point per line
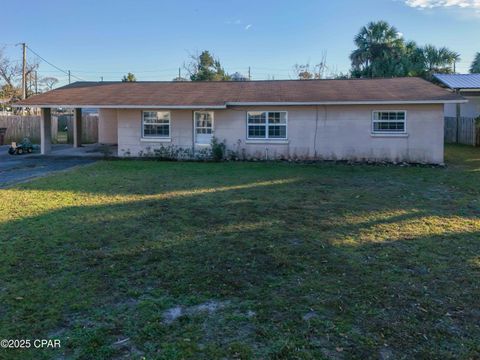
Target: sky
152 39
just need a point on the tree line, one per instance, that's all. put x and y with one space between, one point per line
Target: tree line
380 51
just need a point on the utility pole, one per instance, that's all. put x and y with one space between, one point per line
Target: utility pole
101 78
179 74
249 74
69 76
24 72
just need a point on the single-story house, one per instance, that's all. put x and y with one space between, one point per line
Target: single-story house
467 85
397 119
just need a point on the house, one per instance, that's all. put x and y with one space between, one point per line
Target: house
5 106
467 85
398 119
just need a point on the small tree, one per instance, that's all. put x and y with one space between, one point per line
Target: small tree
218 149
129 78
49 82
308 72
475 67
205 67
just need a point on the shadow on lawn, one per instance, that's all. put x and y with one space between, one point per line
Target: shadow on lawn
97 273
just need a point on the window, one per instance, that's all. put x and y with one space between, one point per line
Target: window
389 121
203 122
267 125
156 124
203 127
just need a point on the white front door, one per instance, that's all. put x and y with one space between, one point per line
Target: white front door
203 123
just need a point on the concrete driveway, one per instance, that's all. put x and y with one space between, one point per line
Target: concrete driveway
19 168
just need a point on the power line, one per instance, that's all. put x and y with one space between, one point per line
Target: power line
123 72
66 72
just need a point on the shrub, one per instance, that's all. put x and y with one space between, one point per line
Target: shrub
172 153
218 149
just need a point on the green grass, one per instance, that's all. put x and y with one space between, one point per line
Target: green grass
62 137
385 260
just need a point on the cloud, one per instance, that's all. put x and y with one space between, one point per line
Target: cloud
248 26
429 4
233 22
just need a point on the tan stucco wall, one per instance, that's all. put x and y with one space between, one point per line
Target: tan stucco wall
107 126
326 132
130 142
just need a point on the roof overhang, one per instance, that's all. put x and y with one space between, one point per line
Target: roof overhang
123 106
187 107
468 89
411 102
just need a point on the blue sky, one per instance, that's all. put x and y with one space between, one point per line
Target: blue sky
154 38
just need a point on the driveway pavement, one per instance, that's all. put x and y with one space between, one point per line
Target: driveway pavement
18 168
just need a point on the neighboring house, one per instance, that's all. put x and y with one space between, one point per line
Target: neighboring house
5 106
399 119
467 85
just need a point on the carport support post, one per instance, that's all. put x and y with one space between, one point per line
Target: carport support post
77 128
46 131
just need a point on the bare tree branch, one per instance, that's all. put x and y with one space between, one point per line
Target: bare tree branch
308 72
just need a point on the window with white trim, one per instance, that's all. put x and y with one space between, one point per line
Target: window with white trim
156 124
204 122
267 125
389 121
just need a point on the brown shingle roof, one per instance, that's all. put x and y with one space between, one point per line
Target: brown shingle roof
221 94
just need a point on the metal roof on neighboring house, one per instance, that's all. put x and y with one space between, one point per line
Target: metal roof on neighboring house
220 94
460 81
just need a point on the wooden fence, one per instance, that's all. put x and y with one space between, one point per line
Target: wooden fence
19 127
463 131
89 129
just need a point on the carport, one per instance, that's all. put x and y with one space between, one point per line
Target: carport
46 129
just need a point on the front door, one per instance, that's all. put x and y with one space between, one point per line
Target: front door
203 123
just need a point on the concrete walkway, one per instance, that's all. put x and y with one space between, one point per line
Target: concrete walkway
90 150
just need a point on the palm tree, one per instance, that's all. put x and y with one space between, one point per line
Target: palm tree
375 43
475 67
413 60
439 60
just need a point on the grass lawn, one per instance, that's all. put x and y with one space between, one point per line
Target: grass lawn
245 260
62 137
